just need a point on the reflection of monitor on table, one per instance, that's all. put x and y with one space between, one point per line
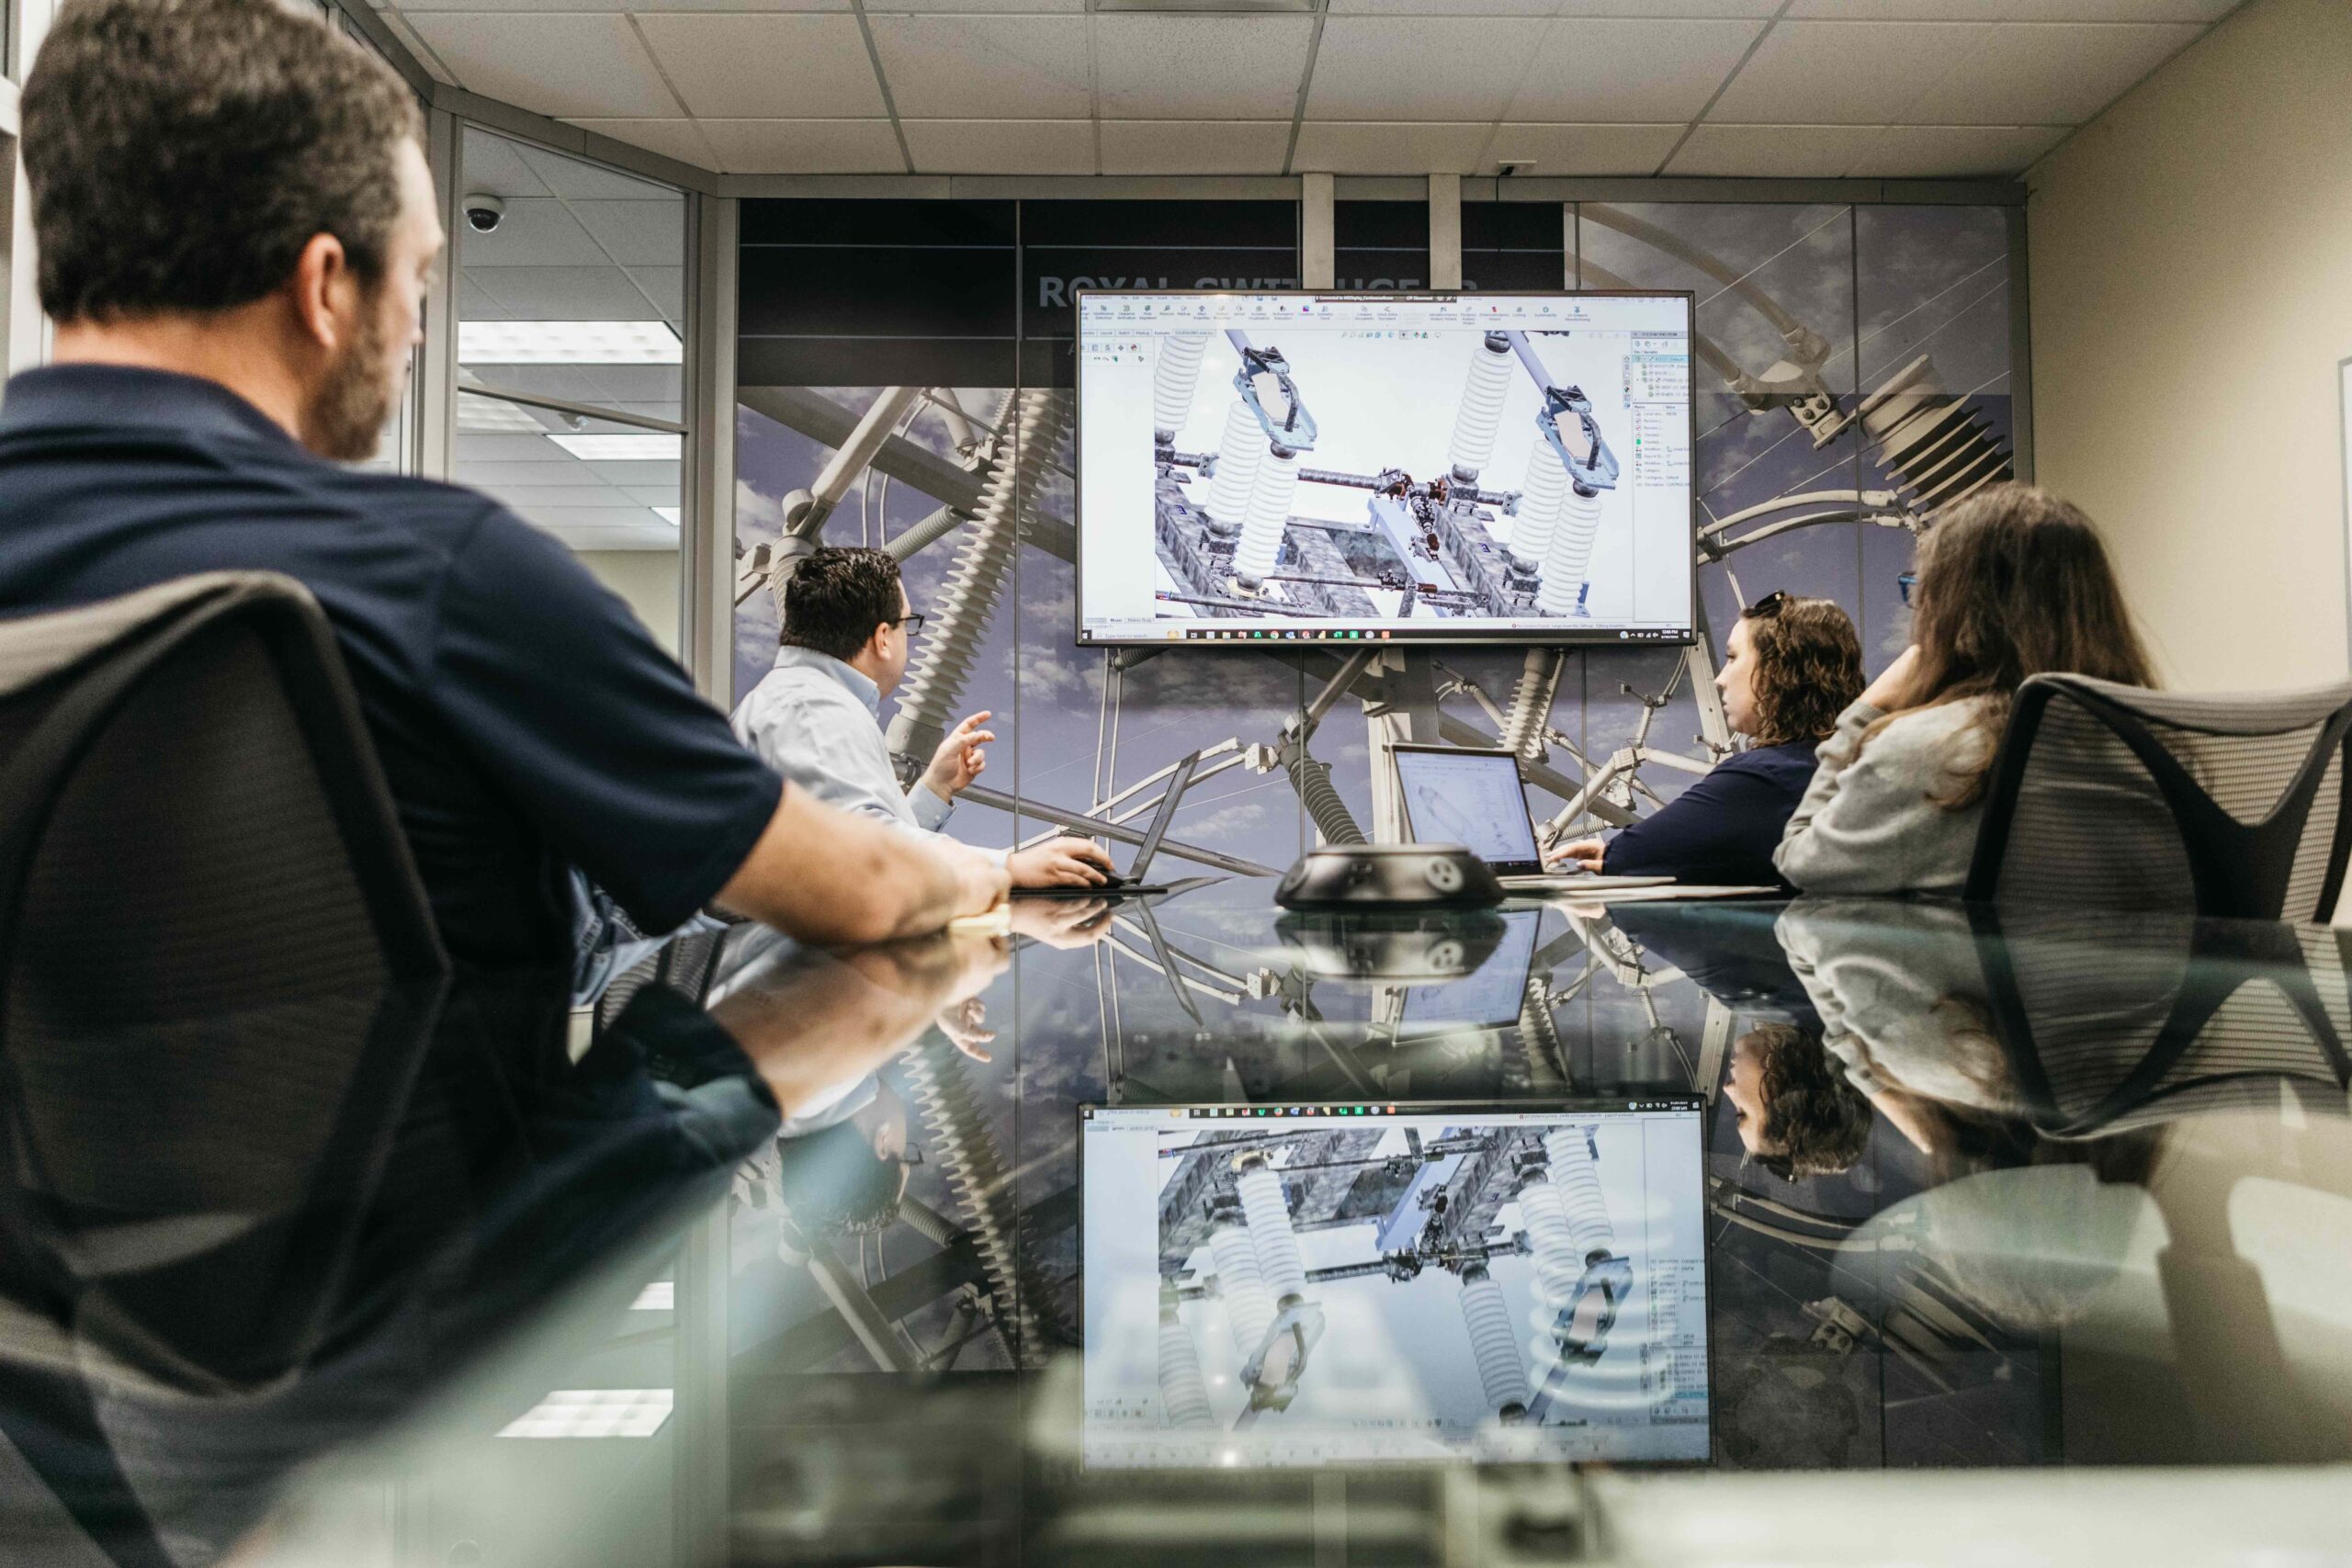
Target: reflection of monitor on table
1440 468
1344 1285
1453 796
1490 996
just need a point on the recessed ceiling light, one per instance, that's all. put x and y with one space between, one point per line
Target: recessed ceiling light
647 448
568 343
594 1412
670 515
659 1296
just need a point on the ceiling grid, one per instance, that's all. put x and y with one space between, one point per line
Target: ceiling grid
1815 89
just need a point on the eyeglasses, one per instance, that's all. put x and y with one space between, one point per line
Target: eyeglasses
1771 604
1905 582
912 622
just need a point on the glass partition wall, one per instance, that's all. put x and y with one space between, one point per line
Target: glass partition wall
569 293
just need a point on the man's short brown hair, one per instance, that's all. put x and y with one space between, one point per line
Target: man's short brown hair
182 152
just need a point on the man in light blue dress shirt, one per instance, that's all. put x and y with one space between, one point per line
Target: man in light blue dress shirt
816 717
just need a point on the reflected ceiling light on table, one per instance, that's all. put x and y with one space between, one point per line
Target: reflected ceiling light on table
635 448
594 1412
568 343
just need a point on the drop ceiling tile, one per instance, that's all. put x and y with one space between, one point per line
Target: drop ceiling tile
1342 146
1955 151
416 46
636 233
665 287
1384 68
1028 68
1193 146
1444 7
2049 73
1001 146
806 146
537 231
1773 152
1628 72
2018 10
1679 8
494 164
574 180
672 138
563 293
559 65
939 7
1549 150
1842 73
766 67
1223 67
473 305
616 6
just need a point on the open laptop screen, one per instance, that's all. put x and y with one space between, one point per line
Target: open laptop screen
1347 1285
1471 798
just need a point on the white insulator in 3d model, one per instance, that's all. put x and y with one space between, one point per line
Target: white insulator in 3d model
1571 552
1183 1393
1248 1305
1559 1262
1481 414
1541 497
1279 1260
1172 380
1269 503
1579 1180
1239 453
1494 1345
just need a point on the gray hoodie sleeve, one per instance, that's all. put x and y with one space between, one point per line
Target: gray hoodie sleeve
1868 823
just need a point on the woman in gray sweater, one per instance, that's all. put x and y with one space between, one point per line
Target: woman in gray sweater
2012 582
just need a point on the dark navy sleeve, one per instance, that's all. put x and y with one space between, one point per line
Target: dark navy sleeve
1720 832
571 706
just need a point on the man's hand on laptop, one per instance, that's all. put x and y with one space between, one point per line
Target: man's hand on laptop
982 884
1585 854
959 758
1062 861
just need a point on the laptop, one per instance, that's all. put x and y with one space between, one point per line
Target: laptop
1459 795
1132 882
1346 1285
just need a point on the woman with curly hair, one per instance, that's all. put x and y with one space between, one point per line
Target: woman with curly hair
2012 582
1791 667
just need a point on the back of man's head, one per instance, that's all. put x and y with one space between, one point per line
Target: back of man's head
181 154
837 597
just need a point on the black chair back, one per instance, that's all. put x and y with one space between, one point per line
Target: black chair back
2217 805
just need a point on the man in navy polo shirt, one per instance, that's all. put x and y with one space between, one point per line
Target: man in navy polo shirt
235 224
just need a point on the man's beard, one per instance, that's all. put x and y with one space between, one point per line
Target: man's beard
344 418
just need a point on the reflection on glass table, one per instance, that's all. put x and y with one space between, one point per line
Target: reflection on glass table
770 1265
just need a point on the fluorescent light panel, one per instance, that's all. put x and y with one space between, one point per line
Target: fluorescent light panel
568 343
647 448
670 515
659 1296
594 1412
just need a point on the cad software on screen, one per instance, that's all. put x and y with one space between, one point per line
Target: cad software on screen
1331 467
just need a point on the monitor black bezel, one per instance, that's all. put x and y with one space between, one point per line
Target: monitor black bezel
1423 747
1665 1099
1500 636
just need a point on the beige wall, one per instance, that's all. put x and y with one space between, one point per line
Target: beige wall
649 581
2191 272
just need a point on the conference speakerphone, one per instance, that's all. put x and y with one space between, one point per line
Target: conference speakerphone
1369 1282
1423 467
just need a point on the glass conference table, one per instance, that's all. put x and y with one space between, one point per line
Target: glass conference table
474 1276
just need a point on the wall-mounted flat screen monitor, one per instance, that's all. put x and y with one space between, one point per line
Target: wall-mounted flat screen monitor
1432 468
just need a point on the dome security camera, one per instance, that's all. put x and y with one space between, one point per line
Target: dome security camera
483 212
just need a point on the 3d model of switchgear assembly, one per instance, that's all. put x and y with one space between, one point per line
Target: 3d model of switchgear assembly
1243 1199
1226 531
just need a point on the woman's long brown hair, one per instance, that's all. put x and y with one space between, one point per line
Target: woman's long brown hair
2013 581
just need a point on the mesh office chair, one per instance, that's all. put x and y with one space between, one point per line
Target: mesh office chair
2112 796
2111 1021
208 920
